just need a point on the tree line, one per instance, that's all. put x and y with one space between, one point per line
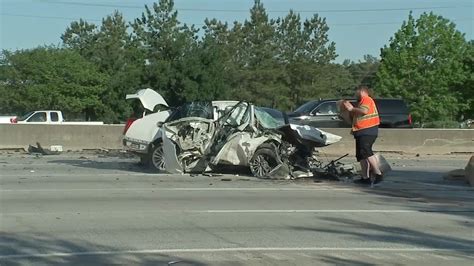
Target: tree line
276 62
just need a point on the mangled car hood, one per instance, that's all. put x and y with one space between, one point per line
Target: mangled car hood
315 134
149 98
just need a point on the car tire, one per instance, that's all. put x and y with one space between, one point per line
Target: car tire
264 160
155 160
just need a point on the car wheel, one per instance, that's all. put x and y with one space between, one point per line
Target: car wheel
264 160
156 157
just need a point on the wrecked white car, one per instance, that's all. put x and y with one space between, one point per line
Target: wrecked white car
142 136
245 135
139 134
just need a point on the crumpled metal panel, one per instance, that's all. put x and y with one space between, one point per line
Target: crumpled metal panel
172 164
316 136
240 148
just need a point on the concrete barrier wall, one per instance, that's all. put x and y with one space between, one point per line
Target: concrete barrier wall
79 137
410 141
71 137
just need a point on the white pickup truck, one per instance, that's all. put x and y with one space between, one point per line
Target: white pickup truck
48 118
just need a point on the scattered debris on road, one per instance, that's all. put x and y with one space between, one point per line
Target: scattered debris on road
54 150
466 174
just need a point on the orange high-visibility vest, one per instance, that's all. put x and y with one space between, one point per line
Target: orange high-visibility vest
371 119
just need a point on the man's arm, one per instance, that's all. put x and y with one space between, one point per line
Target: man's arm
358 110
363 110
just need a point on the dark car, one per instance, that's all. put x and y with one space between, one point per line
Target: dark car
394 113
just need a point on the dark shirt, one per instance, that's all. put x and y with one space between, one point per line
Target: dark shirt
371 131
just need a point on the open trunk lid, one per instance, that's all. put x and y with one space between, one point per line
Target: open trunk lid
149 98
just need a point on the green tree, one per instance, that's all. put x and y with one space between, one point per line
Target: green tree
167 46
52 78
258 75
119 58
111 49
305 52
466 88
364 72
81 36
424 64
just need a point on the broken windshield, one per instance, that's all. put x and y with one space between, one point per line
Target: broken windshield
192 109
270 118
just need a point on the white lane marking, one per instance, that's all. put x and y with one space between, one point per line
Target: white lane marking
208 250
209 212
5 214
309 211
322 188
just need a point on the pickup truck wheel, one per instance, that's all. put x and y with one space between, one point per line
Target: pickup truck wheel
156 160
264 160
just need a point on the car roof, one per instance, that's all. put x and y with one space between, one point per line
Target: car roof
353 99
385 104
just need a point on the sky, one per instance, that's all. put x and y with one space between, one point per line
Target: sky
358 27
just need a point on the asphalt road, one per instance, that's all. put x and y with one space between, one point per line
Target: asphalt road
96 210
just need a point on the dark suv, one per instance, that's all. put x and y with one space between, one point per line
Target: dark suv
394 113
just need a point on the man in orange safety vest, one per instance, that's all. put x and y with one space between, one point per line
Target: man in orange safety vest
365 128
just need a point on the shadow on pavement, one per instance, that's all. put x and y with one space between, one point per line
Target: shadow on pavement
372 232
26 244
424 191
139 168
428 177
332 260
105 165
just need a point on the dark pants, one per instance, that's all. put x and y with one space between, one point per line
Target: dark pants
364 145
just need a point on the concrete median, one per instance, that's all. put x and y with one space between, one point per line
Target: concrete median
80 137
71 137
410 141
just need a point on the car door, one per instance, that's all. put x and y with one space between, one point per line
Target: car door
326 115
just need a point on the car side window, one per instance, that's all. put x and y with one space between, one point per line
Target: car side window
54 117
38 117
327 108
